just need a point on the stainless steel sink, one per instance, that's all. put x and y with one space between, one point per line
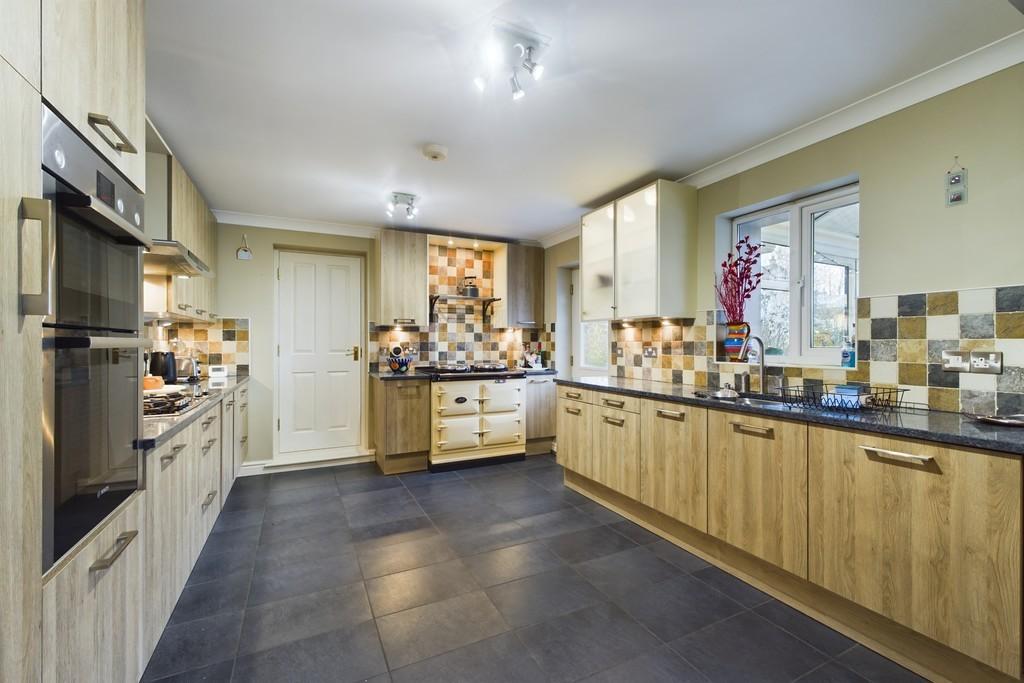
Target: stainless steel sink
761 402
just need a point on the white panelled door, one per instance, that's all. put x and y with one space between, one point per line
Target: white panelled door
319 332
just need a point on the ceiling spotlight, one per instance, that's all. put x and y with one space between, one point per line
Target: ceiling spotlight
409 213
391 214
533 68
517 91
480 82
399 200
391 205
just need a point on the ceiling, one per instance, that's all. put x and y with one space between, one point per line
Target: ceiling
317 109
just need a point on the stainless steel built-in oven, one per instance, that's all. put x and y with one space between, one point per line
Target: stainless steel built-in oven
92 344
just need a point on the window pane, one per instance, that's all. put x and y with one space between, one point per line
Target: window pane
835 241
775 321
768 310
595 345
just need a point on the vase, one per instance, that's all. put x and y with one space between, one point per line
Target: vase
737 334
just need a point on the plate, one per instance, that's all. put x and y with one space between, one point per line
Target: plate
1002 420
165 389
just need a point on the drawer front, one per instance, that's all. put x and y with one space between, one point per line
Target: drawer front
574 394
456 398
502 430
607 400
501 397
457 433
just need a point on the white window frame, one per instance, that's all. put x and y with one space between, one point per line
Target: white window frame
579 368
801 266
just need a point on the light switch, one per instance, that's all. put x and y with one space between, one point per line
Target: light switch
956 361
987 362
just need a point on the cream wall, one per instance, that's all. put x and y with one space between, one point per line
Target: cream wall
910 241
245 289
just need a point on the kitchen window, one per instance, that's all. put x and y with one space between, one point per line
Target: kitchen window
810 255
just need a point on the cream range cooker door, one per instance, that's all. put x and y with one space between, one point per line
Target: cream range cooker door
501 430
501 396
457 433
456 416
456 398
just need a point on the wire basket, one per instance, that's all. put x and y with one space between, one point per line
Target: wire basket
844 397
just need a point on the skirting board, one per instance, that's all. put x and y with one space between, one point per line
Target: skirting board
249 469
916 652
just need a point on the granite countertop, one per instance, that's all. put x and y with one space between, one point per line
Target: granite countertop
388 376
158 429
925 425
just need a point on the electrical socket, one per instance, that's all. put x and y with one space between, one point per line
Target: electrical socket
650 352
987 362
956 361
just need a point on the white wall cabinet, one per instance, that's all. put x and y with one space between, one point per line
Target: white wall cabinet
638 255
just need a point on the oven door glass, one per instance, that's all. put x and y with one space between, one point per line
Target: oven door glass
98 279
96 411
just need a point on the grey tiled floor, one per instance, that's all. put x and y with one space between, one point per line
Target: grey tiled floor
489 574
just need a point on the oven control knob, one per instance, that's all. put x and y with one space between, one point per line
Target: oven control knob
138 219
120 205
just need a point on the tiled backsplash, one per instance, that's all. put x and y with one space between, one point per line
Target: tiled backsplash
224 342
900 342
458 332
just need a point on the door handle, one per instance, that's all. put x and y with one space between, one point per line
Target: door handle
98 121
209 499
899 457
354 352
670 414
764 431
120 545
35 209
613 403
244 439
404 321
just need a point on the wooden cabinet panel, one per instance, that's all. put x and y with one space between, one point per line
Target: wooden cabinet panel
206 487
93 604
229 442
20 386
241 451
574 394
404 291
757 487
20 38
575 436
525 287
540 407
616 451
934 544
674 461
630 404
93 63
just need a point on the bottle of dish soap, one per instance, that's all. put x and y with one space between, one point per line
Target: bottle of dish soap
849 354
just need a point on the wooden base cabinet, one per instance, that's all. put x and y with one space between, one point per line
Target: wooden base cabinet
241 430
93 605
925 535
401 424
757 487
615 455
674 461
205 485
575 437
540 407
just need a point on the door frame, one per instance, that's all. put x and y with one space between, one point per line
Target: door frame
577 370
357 453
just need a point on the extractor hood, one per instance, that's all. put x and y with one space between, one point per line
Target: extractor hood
168 257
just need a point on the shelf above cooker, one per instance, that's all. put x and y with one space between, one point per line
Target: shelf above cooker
485 301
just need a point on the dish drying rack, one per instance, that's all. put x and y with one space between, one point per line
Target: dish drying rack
831 397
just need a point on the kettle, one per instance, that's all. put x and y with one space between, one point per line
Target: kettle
161 364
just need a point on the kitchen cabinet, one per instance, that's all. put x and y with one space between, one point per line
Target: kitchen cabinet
241 449
401 424
757 487
20 38
93 73
926 535
615 455
404 291
597 264
575 435
228 441
540 407
205 484
20 372
674 461
168 550
475 419
638 255
524 289
94 602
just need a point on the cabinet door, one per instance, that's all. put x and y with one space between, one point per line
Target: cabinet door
404 290
636 254
501 430
20 372
94 71
674 461
184 198
597 264
407 420
926 535
757 487
208 483
456 398
167 549
93 605
241 429
228 443
498 396
616 451
457 433
540 407
19 38
575 436
525 286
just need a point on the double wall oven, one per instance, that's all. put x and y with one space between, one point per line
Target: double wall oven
92 340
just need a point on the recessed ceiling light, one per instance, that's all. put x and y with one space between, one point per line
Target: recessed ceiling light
451 242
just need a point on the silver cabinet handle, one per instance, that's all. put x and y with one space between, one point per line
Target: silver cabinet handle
899 457
230 404
540 381
98 121
209 499
200 311
179 448
613 403
244 439
184 307
743 427
670 414
573 411
243 406
404 321
614 421
120 545
35 209
209 445
483 431
527 322
573 394
168 459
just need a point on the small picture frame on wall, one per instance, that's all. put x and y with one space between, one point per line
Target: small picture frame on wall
956 186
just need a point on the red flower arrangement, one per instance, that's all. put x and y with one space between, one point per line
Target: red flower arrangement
738 279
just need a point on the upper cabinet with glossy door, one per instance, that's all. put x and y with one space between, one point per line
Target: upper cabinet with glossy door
93 74
638 255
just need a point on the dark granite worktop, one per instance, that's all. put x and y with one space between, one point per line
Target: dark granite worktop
412 374
926 425
157 430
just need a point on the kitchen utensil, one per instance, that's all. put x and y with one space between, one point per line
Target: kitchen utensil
187 369
1001 420
162 364
468 286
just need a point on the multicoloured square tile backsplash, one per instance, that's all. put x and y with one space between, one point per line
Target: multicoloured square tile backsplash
459 332
224 342
900 340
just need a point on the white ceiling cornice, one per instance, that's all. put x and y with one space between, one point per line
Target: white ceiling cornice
297 224
987 60
559 236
